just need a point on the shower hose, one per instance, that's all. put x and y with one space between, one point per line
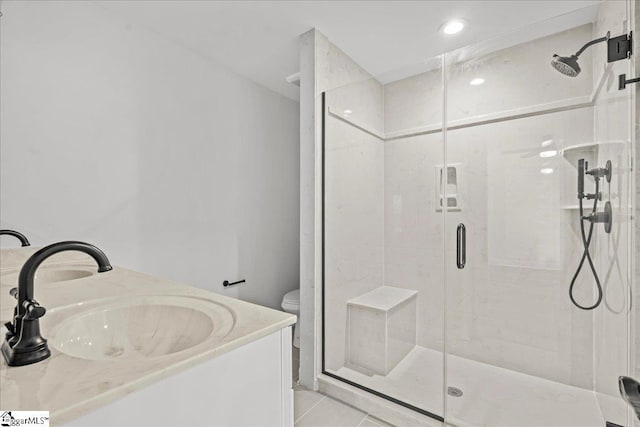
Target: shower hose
586 241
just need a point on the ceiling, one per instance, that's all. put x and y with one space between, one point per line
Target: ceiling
258 39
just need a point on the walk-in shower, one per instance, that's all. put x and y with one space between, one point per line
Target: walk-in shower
451 230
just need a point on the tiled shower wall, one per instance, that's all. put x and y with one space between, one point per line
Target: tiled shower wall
509 306
611 120
354 217
323 67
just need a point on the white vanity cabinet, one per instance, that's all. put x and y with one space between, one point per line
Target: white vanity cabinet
246 387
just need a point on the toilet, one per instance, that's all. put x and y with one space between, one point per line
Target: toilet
291 304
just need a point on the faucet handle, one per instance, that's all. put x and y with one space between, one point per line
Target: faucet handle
10 328
11 332
33 310
630 392
14 292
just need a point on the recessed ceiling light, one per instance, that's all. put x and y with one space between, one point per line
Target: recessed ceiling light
477 81
453 27
348 111
547 142
546 171
549 153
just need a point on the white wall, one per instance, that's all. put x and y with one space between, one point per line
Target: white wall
169 162
323 67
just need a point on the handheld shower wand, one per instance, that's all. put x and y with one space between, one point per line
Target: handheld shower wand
605 217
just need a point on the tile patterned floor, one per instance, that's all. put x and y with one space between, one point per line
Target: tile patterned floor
313 409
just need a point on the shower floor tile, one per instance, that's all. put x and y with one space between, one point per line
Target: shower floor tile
492 396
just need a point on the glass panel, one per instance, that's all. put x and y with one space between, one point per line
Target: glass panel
612 251
383 238
518 351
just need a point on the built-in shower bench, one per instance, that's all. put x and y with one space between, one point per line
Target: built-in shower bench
381 328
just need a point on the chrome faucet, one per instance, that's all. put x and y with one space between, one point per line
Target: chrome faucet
23 344
19 236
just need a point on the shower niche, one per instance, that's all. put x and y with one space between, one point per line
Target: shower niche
452 185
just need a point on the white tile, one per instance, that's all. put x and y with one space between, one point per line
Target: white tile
381 328
354 227
492 395
502 398
374 422
401 332
506 70
413 102
494 314
304 401
367 339
331 413
375 406
417 380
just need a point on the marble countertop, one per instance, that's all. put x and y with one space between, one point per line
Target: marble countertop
69 387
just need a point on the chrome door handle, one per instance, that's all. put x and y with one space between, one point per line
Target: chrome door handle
461 246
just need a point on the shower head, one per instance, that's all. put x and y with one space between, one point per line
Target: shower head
567 65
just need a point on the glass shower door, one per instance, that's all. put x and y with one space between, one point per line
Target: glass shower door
519 352
383 282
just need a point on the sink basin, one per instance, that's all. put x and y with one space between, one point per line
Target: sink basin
140 328
45 275
61 274
50 274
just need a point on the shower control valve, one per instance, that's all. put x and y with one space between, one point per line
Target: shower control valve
605 217
598 217
604 172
